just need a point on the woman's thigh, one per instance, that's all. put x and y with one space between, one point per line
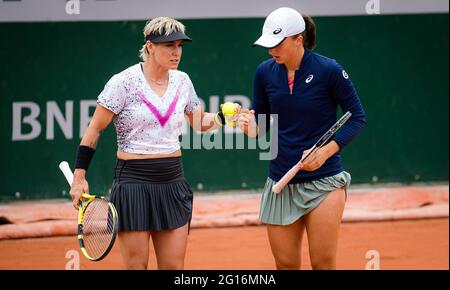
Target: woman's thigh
134 246
322 227
170 247
285 243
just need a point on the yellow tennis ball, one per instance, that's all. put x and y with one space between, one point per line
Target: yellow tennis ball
229 109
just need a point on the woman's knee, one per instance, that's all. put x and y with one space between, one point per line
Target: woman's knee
285 262
135 266
324 262
135 260
171 265
134 248
288 265
134 257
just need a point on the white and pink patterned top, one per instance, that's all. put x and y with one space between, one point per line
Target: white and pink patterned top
146 123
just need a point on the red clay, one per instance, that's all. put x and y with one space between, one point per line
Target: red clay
56 218
413 244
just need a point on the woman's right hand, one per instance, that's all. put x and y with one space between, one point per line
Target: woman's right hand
79 186
246 121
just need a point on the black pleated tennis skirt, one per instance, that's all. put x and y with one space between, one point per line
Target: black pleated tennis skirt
151 194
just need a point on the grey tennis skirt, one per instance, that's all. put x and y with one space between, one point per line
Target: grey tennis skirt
297 200
151 194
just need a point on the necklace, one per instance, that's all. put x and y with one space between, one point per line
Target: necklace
159 83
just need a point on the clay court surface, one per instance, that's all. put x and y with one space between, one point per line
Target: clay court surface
410 244
406 226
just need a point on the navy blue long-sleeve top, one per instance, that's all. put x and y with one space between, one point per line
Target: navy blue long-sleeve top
304 115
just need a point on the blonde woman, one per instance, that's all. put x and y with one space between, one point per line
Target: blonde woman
148 103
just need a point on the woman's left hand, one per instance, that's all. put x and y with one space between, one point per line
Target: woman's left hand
318 158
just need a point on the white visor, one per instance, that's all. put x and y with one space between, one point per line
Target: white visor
269 41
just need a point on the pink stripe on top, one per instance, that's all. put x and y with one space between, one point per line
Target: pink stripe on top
162 119
291 82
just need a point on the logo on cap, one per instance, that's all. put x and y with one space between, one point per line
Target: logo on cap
277 31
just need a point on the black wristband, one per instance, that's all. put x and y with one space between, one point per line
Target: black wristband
221 118
84 157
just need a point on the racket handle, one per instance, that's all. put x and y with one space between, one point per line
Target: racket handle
64 166
278 187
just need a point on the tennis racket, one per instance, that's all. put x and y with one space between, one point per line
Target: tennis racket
278 187
97 222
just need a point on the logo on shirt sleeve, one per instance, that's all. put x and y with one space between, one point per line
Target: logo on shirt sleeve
345 75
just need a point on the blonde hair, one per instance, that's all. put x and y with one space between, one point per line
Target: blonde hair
159 26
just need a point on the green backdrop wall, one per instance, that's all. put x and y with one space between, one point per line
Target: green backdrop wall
399 64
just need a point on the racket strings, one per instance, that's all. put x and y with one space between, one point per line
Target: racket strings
98 228
101 221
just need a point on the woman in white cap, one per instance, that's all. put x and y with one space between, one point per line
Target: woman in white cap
148 103
304 89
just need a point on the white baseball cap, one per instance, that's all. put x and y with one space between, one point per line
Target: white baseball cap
280 24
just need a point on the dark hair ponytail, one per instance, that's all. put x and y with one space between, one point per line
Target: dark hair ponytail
309 35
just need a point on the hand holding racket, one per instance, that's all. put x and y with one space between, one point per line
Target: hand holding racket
77 188
97 222
278 187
